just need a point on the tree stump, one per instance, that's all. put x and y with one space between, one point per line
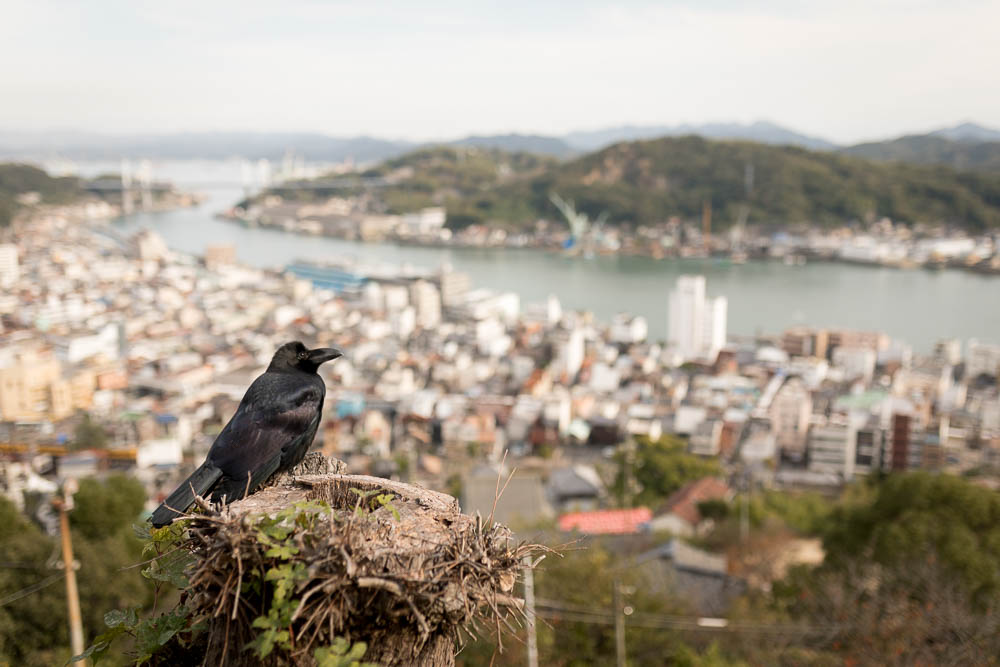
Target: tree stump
321 555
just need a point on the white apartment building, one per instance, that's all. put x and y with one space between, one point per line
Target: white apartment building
832 448
426 298
696 325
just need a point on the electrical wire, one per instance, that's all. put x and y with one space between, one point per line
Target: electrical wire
13 597
557 610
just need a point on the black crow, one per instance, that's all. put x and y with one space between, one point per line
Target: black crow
271 431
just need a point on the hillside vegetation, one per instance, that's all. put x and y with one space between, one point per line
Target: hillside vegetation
932 149
648 182
456 177
18 179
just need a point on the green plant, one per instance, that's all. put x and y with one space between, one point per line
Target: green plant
714 508
342 654
170 560
660 467
150 634
369 503
275 533
166 567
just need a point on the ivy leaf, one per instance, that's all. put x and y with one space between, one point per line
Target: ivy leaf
341 654
100 647
285 577
119 617
282 551
171 570
142 530
154 633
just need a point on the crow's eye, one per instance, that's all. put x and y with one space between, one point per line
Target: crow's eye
303 355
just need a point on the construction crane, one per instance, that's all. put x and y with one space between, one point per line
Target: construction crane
579 223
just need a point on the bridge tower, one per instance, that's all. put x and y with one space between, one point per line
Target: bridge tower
126 175
145 177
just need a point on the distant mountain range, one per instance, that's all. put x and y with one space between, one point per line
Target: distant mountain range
199 145
514 143
321 147
964 146
968 132
761 132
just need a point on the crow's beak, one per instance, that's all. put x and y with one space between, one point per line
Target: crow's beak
322 355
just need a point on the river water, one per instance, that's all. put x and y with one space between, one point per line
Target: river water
916 306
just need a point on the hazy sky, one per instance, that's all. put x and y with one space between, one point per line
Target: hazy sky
845 70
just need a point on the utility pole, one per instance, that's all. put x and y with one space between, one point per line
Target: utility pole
529 608
745 513
65 504
706 224
629 484
619 625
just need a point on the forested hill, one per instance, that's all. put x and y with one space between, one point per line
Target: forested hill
650 181
934 149
453 176
646 182
18 179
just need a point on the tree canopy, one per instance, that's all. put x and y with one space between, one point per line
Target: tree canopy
34 629
921 515
660 468
911 574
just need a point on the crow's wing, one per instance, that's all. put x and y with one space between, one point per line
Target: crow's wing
278 414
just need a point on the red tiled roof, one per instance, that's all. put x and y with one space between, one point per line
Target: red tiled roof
606 522
684 503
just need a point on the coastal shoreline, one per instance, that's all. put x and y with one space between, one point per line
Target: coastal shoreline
789 254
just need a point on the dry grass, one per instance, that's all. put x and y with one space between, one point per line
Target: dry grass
414 580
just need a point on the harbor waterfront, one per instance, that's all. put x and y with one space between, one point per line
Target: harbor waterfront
916 306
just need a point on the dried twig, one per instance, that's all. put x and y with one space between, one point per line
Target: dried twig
435 575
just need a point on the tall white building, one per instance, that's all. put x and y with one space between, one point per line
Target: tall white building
696 325
715 326
454 287
572 352
427 300
553 310
9 268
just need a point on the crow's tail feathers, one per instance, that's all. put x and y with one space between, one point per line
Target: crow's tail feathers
200 481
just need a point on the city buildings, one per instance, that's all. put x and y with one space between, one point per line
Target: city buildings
442 378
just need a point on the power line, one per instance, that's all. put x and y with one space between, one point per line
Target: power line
557 609
13 597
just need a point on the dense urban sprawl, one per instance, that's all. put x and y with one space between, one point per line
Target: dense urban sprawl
451 386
